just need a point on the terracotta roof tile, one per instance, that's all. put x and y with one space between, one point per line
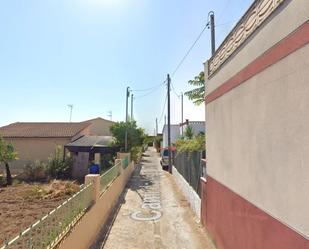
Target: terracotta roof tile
25 129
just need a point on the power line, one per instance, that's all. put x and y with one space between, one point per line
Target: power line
226 23
222 11
189 50
146 94
174 91
148 89
161 116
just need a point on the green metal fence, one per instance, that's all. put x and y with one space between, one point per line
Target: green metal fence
125 162
50 229
109 176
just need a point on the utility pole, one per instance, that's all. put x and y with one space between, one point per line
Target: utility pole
156 126
181 114
132 107
164 119
212 30
71 109
126 133
169 124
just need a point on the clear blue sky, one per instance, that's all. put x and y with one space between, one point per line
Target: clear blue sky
85 53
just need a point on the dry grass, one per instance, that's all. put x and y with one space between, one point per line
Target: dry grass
23 204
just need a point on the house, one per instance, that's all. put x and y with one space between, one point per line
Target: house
256 192
197 127
37 141
177 130
174 134
99 126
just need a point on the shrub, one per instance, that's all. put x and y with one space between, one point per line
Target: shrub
191 145
35 171
56 167
136 153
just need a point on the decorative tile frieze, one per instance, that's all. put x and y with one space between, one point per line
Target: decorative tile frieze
253 18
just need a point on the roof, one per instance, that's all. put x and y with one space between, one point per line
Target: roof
92 141
42 129
98 118
92 144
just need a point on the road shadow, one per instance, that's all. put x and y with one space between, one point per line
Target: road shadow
137 183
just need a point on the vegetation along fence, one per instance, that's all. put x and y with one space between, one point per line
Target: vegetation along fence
190 166
49 230
109 176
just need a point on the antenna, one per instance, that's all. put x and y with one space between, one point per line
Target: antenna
110 115
71 109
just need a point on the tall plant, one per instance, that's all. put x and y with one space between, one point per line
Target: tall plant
7 154
57 167
197 95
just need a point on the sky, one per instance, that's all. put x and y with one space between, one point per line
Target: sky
86 52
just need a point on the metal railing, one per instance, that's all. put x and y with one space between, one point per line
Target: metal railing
109 176
190 166
49 230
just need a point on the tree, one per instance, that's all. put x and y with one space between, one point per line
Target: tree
197 95
7 154
135 135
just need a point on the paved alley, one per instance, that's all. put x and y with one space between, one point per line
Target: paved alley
154 214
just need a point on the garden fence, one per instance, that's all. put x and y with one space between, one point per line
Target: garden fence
49 230
109 176
190 166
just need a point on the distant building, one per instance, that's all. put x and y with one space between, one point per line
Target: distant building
176 130
174 134
99 126
38 140
197 127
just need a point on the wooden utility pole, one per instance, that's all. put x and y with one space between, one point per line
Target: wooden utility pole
156 126
132 106
126 133
212 30
169 124
181 114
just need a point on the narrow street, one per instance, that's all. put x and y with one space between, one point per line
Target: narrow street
154 214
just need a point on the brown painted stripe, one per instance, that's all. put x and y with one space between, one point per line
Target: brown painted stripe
289 44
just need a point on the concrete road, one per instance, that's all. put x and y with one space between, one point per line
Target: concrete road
154 214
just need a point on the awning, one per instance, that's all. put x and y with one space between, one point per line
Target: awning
92 144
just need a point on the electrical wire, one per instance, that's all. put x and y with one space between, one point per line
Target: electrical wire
189 50
151 91
148 89
174 91
163 110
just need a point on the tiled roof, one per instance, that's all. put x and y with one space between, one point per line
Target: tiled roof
21 129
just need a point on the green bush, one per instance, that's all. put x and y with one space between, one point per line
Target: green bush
191 145
106 162
35 171
136 153
56 167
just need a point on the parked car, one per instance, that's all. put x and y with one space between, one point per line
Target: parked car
164 158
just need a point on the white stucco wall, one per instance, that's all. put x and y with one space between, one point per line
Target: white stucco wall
189 193
257 133
174 134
